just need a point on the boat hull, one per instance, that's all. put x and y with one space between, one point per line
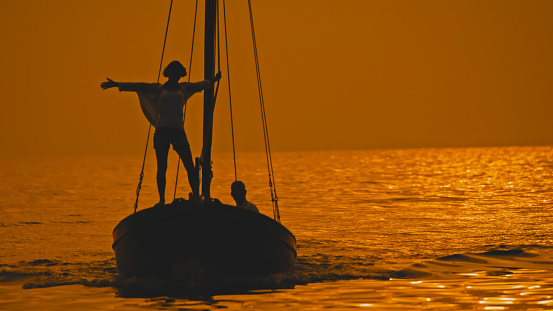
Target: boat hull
187 239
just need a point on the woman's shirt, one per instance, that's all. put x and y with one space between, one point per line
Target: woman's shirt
161 107
170 105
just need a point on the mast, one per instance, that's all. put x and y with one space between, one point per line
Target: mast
209 73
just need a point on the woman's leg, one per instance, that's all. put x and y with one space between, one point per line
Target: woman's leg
161 146
182 147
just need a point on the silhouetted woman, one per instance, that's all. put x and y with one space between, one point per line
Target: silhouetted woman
163 106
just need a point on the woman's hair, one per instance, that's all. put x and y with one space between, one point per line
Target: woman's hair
175 68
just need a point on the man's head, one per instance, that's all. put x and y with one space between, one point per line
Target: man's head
238 191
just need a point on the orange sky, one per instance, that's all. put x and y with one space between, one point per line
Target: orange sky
340 74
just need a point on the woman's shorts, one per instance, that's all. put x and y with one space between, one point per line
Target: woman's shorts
165 136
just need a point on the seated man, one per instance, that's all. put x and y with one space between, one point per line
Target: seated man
238 192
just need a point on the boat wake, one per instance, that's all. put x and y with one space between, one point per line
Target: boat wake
503 264
45 273
48 273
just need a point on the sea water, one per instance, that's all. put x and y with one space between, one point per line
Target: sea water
441 229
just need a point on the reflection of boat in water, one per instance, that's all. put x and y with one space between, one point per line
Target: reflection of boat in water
203 237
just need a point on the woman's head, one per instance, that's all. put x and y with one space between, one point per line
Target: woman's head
174 70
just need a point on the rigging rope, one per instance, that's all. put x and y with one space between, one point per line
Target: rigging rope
189 75
272 184
229 93
150 127
218 53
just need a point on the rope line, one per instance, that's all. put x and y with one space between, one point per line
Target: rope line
189 75
218 52
142 171
139 187
229 93
193 40
272 184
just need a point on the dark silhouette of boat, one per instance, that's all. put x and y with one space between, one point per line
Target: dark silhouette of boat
213 240
203 237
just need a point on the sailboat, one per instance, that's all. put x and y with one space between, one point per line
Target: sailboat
203 238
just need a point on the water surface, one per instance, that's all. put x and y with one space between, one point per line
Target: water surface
448 229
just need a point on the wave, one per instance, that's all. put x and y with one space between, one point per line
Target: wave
498 261
33 223
9 274
23 223
43 262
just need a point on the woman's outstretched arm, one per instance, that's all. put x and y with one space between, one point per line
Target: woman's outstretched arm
109 84
130 86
